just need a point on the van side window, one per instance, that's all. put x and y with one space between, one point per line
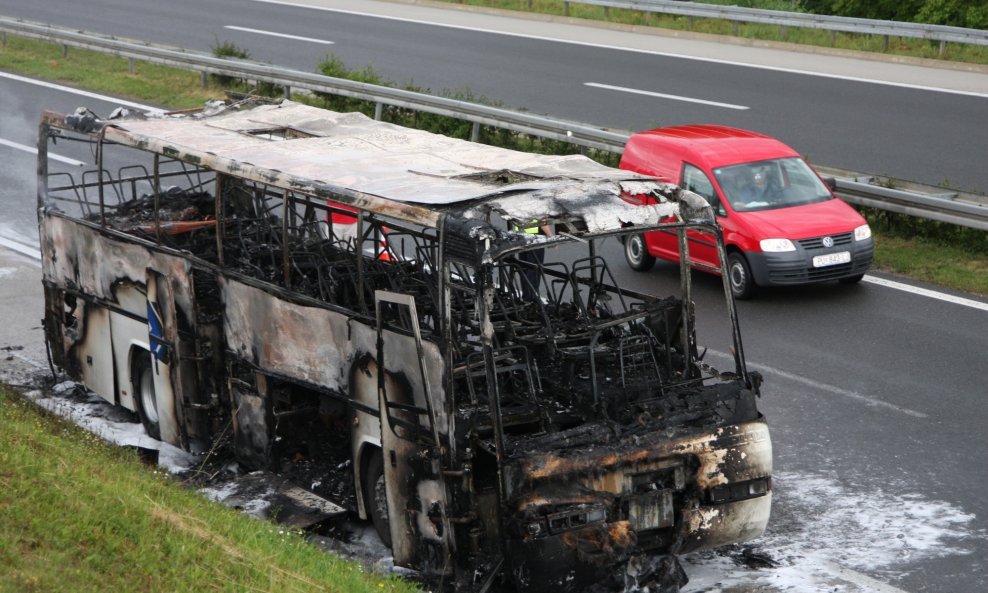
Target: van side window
697 182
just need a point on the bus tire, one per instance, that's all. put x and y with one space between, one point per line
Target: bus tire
145 398
376 496
637 255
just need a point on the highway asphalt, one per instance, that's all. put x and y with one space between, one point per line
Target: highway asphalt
876 389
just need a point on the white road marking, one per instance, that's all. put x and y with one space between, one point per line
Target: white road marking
273 34
865 399
927 293
28 250
664 96
635 50
33 150
81 93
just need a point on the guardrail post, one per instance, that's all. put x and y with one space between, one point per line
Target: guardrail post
130 65
3 38
475 132
943 48
885 42
734 28
65 51
203 79
288 92
378 110
689 22
782 32
833 38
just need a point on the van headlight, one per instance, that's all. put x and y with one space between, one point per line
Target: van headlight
777 245
862 232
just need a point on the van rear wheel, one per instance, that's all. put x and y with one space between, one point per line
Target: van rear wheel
636 252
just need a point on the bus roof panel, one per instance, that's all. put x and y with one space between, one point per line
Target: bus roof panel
353 151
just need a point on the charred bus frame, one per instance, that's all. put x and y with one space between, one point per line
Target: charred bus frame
319 280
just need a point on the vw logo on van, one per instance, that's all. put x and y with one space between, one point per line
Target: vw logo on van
828 241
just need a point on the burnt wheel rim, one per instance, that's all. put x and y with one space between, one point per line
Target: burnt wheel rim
149 403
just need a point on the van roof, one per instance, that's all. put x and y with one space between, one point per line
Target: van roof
714 146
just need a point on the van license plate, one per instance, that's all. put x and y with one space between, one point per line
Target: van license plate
831 259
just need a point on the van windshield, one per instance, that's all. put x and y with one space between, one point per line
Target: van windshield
771 184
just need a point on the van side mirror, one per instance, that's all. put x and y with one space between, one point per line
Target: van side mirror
831 183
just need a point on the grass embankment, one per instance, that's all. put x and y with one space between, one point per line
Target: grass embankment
930 252
160 85
77 514
899 46
933 260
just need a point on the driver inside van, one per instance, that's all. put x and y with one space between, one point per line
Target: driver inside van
760 189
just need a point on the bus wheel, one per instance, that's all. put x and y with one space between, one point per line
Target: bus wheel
376 496
637 254
742 284
147 401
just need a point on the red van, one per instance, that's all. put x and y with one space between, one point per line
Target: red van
782 224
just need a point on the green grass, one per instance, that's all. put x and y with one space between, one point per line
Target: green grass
900 46
159 85
932 261
77 514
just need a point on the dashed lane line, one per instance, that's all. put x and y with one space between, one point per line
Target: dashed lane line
281 35
624 89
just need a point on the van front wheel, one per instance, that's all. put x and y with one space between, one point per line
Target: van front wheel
636 252
739 274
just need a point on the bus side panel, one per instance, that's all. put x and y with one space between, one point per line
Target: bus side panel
313 345
327 349
93 339
95 352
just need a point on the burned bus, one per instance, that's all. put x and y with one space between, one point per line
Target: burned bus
312 281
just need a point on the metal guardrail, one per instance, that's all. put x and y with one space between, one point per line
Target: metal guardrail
913 199
574 132
736 14
933 203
